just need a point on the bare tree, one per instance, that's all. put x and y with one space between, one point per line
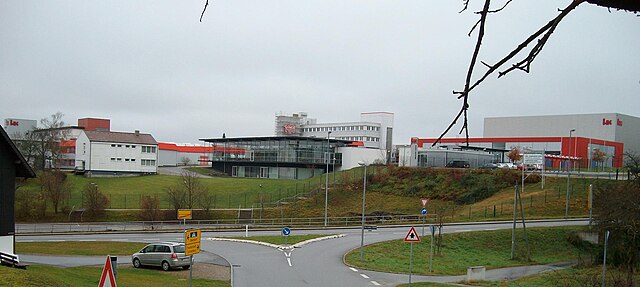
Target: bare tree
185 161
55 186
95 201
632 163
41 146
149 208
177 197
617 210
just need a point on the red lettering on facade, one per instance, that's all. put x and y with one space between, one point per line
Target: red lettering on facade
12 123
606 122
619 122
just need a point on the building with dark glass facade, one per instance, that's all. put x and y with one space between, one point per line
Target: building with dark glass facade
284 157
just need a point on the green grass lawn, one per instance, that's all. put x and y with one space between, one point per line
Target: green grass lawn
76 248
125 192
41 275
571 277
461 250
279 239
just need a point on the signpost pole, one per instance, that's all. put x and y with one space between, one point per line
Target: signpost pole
590 205
410 262
433 231
190 270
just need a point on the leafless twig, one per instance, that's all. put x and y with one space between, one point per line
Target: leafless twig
203 10
542 35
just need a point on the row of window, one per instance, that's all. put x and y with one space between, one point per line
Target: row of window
126 146
145 162
342 128
145 149
367 139
148 149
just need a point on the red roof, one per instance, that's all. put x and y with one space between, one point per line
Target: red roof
199 149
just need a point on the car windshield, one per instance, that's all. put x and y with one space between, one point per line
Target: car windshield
179 248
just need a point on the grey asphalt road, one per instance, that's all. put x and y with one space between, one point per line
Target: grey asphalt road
316 264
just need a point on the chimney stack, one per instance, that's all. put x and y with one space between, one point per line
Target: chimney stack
137 132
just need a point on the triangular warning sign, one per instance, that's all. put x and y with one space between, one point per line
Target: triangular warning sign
412 236
424 201
107 271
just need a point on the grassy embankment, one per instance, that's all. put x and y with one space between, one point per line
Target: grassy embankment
452 194
491 249
570 277
40 275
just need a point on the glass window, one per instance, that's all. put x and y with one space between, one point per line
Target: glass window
179 248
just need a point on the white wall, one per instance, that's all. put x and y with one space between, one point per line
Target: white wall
98 155
352 155
83 151
6 244
385 119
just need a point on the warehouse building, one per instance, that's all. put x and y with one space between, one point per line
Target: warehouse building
564 139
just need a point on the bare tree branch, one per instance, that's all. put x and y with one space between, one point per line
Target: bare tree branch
203 10
465 93
498 10
542 35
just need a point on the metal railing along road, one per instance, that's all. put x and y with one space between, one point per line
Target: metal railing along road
220 224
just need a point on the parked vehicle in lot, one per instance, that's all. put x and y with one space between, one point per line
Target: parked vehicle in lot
458 164
526 167
506 165
489 166
167 255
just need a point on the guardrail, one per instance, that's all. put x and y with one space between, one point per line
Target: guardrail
169 225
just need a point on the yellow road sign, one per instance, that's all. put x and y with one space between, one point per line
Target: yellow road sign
184 213
192 241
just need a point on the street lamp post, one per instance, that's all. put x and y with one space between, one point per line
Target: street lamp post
364 201
566 210
326 182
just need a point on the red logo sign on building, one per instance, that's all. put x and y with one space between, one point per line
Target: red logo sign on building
11 123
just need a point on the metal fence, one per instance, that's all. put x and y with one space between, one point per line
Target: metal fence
220 224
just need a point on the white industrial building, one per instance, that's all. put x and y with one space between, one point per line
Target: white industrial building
116 153
374 130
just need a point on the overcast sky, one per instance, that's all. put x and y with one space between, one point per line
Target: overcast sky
151 66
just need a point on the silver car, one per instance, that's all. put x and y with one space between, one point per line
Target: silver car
167 255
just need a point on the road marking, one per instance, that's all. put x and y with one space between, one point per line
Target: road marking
25 241
375 283
464 230
289 261
491 229
150 239
123 239
54 240
287 254
364 276
353 269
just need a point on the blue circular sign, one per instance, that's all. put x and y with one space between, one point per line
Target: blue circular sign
424 210
286 231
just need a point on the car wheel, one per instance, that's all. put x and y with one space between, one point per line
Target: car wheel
166 266
186 267
136 263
